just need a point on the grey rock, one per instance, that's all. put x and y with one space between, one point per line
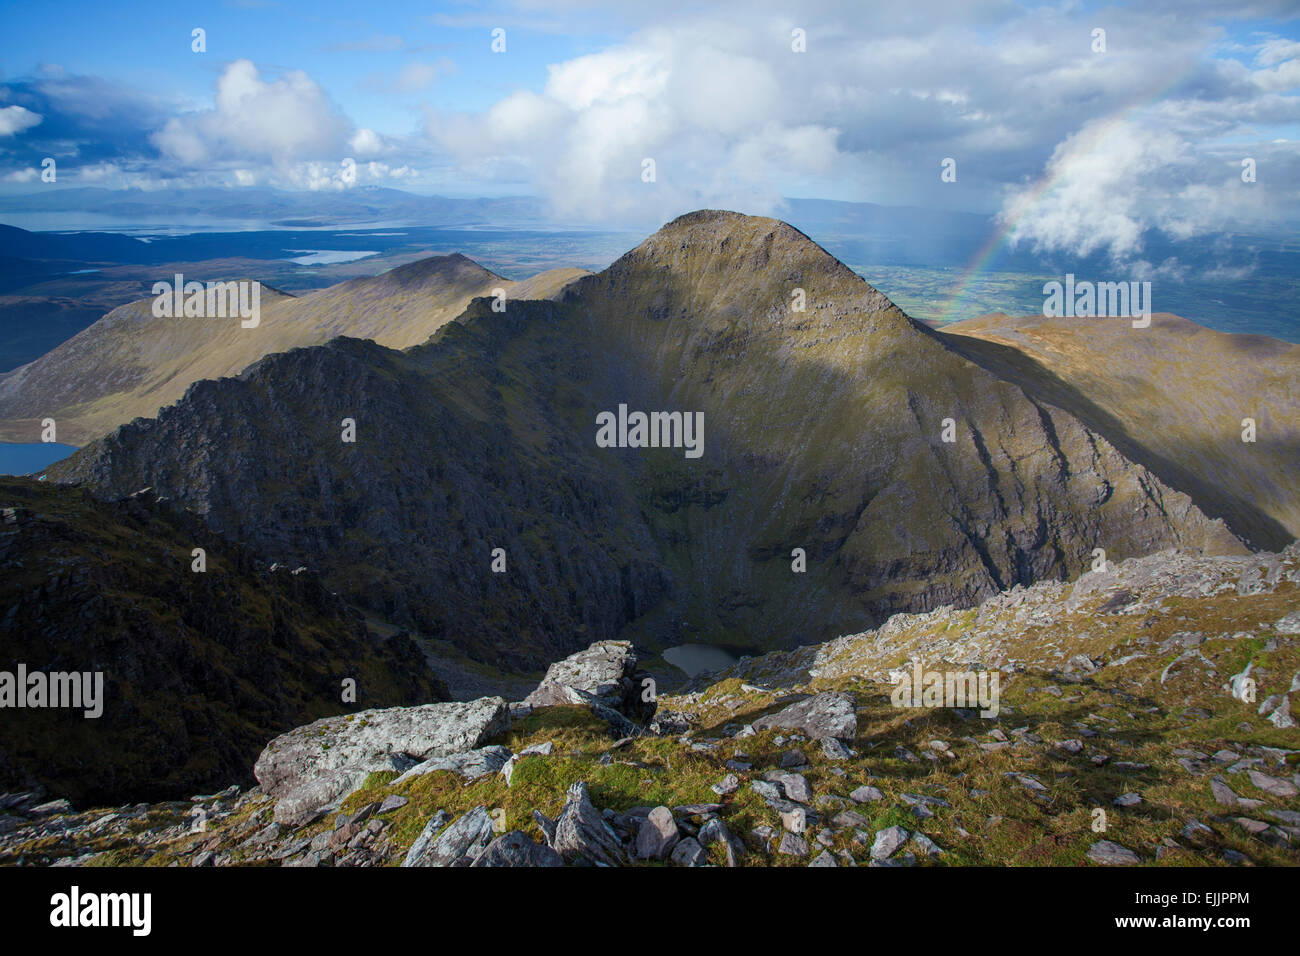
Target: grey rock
796 787
516 849
547 826
866 795
689 853
311 766
792 845
833 749
392 802
658 835
849 818
1281 716
582 835
1223 793
1276 786
470 765
823 715
824 859
925 845
728 784
1112 854
430 832
604 675
887 842
794 758
795 821
1128 800
765 789
458 845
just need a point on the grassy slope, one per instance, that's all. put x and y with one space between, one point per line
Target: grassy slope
1171 396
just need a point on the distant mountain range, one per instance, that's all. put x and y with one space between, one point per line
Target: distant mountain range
824 431
131 363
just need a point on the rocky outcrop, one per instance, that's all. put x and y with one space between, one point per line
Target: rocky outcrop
1155 709
582 835
312 766
822 716
604 677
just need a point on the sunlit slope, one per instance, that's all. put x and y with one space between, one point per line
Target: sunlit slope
1173 397
131 363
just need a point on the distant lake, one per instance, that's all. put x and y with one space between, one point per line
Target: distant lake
25 458
324 257
697 659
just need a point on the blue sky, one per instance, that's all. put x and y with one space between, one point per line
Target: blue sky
1075 145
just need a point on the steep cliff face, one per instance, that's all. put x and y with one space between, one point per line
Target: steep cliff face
197 667
824 430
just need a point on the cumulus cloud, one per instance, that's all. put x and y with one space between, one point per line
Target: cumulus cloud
281 121
714 120
15 119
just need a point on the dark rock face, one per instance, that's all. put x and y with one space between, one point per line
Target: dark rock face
199 669
823 715
405 521
823 432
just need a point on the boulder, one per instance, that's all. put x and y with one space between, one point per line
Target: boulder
312 766
430 832
581 833
829 714
658 835
516 849
605 675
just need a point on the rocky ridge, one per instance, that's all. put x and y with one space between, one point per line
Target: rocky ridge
1145 719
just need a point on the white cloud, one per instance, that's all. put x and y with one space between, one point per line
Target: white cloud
366 142
15 119
280 120
28 175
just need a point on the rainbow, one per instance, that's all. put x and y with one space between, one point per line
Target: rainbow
1096 134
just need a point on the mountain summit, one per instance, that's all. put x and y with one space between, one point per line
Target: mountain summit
855 464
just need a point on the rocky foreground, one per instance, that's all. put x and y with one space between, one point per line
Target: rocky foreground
1145 716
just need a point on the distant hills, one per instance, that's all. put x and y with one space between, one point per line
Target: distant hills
824 431
130 363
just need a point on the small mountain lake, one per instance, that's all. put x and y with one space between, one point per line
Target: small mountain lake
696 659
